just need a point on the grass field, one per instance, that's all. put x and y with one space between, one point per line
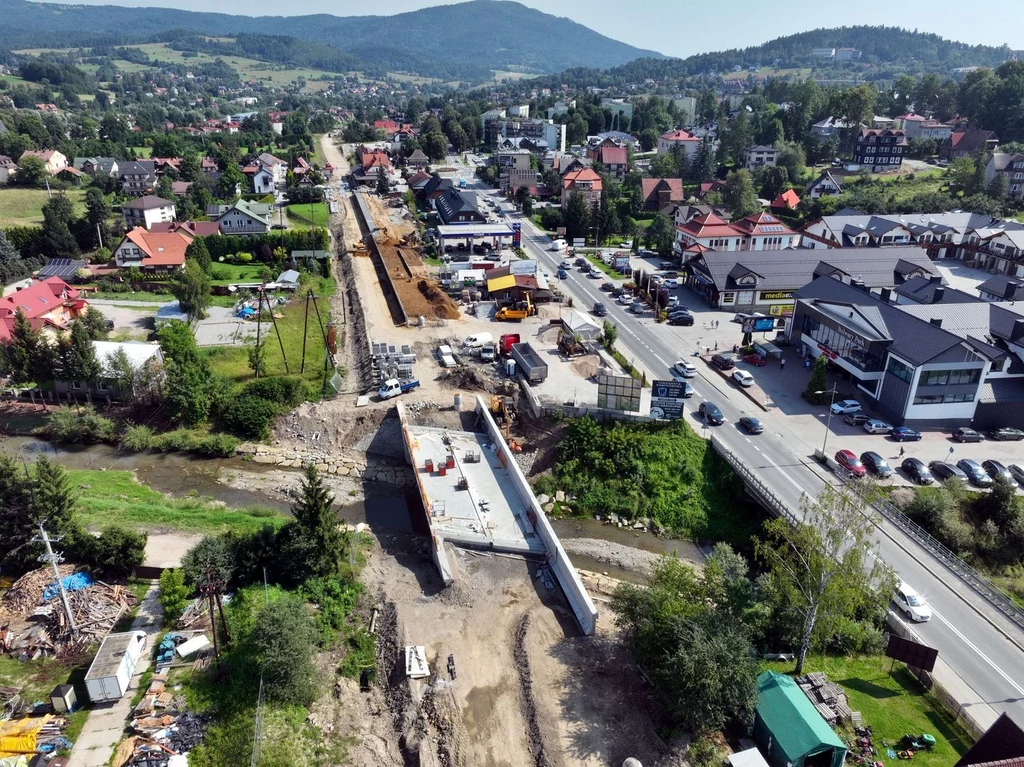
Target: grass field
225 274
22 206
802 73
143 152
304 216
893 705
108 497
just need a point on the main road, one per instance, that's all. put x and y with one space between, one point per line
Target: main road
984 649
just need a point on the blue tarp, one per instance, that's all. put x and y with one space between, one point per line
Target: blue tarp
74 582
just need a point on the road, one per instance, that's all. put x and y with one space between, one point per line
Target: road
972 638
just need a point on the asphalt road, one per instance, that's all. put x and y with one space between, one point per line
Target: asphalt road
972 638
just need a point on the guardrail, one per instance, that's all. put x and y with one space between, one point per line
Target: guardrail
755 486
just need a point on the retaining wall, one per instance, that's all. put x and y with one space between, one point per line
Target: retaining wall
369 226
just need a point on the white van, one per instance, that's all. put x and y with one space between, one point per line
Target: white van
477 340
559 245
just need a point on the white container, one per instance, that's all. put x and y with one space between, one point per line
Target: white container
510 368
113 666
457 401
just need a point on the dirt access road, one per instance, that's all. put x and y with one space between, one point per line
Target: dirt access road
528 688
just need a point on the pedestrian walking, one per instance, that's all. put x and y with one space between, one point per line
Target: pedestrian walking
716 346
782 364
903 450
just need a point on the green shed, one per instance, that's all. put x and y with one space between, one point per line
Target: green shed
789 729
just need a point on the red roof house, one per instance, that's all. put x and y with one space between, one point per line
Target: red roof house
50 304
788 200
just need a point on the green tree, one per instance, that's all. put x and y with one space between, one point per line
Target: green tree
192 289
610 333
316 541
576 216
78 356
31 171
961 174
230 181
702 169
57 239
191 166
189 389
818 382
198 252
739 195
24 349
793 158
383 183
174 594
826 566
258 357
435 145
772 180
97 215
210 560
998 188
659 235
178 343
281 646
119 550
53 497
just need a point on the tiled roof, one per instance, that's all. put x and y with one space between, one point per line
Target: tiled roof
148 202
160 248
613 155
788 199
37 299
651 186
679 135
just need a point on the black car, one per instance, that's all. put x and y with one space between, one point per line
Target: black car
997 471
723 362
943 471
607 287
857 419
917 471
964 434
617 292
600 309
1006 434
977 475
905 434
875 464
1017 472
681 319
581 262
751 424
712 413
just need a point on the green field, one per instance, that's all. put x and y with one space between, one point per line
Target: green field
109 497
226 274
22 206
802 73
305 215
892 705
248 69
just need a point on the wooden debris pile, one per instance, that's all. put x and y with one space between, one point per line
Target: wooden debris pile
161 728
26 594
827 697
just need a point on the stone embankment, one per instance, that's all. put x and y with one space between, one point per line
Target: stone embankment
358 466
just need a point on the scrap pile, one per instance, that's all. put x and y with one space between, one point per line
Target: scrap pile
33 734
827 697
33 622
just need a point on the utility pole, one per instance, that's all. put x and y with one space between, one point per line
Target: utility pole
53 558
99 234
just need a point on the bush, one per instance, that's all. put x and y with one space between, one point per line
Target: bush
361 654
174 594
334 601
136 438
249 416
119 551
82 425
191 441
278 389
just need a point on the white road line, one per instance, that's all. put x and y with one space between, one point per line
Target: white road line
981 655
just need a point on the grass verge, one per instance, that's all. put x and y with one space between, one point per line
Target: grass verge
23 206
309 215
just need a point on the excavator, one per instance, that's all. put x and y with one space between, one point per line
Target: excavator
516 312
504 414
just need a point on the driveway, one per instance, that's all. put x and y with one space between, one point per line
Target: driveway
223 328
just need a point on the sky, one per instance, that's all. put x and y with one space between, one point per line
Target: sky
683 28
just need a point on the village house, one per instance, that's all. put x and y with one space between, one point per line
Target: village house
880 150
760 156
147 210
50 306
53 160
1012 167
137 177
823 186
657 193
689 142
968 143
612 155
8 168
152 251
146 360
242 217
587 182
96 166
759 231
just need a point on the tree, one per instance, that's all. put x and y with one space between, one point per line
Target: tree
794 160
56 238
826 566
739 195
281 645
174 594
258 357
383 183
211 559
31 171
178 343
230 181
118 550
199 253
772 179
818 382
702 169
435 146
24 349
191 167
78 356
189 388
53 497
998 188
660 234
576 216
961 174
315 542
97 215
192 289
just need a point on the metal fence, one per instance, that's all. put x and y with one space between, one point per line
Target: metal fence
755 486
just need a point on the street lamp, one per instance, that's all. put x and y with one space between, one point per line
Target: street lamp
828 423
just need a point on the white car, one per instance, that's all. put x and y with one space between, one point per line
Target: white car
845 406
912 604
743 378
874 426
685 369
671 283
626 299
566 264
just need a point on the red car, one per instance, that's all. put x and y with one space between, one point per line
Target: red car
755 359
849 461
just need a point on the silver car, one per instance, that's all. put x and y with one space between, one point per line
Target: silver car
874 426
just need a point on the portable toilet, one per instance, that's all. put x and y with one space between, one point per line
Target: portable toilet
64 699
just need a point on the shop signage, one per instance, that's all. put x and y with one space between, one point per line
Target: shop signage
667 400
781 310
777 295
828 352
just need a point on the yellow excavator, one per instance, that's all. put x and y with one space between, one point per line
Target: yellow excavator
516 312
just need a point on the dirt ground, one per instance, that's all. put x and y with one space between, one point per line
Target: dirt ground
528 688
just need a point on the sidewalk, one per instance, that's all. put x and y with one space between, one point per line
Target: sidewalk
106 723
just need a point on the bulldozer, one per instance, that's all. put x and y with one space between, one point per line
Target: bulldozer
516 312
570 344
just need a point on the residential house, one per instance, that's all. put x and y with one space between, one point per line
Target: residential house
709 187
759 231
457 206
436 187
370 164
830 126
760 156
147 210
137 177
152 251
69 176
682 214
657 193
418 159
242 217
968 143
519 110
1001 287
53 160
880 150
787 201
8 168
689 142
193 228
278 168
1011 166
417 181
560 108
587 182
50 306
209 166
921 127
96 166
823 186
613 156
261 178
180 188
144 358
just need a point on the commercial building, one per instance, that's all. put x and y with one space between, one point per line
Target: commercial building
937 357
880 150
496 126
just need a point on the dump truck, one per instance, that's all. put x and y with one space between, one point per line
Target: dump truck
529 363
393 387
516 312
506 342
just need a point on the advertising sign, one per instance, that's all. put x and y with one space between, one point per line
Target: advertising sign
621 263
667 400
776 295
758 324
781 310
517 235
578 242
912 653
619 393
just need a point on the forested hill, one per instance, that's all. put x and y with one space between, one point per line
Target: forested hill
462 41
885 51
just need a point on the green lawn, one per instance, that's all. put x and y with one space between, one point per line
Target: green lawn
22 206
143 152
107 497
309 215
226 274
892 705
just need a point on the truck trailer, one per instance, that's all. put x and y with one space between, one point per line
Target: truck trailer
112 668
529 363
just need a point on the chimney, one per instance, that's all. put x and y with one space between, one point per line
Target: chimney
1018 330
937 322
935 278
938 294
859 284
1011 290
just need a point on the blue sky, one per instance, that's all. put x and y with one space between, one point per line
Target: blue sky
682 28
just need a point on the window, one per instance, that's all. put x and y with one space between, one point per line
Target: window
949 377
901 371
76 385
943 399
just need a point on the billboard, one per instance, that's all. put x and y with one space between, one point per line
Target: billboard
913 654
619 393
667 400
758 324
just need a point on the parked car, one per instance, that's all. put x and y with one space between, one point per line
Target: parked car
681 319
874 426
917 471
600 309
849 461
562 274
911 604
751 424
905 434
712 413
1017 472
581 262
977 475
616 292
607 286
723 362
638 307
685 369
625 299
964 434
857 419
743 378
845 406
943 471
996 470
678 309
670 283
755 359
875 464
566 263
1006 434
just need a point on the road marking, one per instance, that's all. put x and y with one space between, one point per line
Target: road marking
981 655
